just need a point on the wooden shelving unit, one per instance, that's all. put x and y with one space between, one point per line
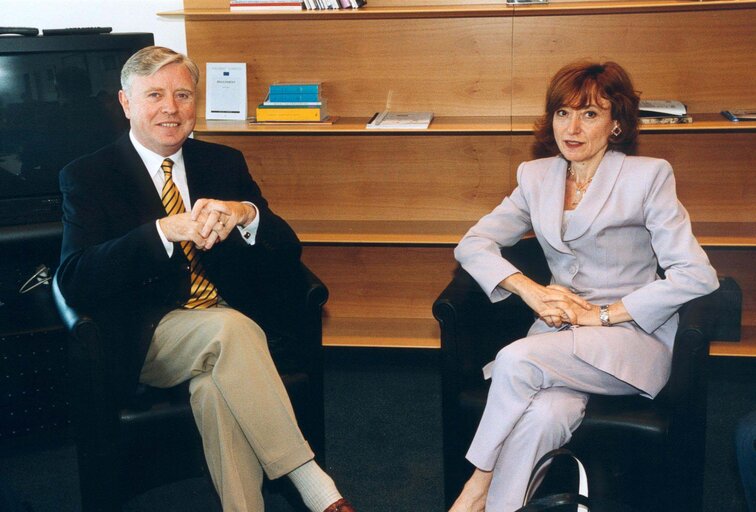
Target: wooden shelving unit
451 124
380 211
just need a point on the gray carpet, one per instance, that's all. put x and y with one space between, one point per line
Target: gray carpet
383 442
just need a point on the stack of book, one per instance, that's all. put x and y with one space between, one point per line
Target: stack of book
265 5
292 102
333 4
663 112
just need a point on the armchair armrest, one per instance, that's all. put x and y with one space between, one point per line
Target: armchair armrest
317 293
92 407
72 319
697 324
474 329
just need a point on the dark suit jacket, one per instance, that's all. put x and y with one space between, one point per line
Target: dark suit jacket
114 265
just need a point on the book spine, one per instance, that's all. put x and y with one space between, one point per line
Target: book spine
293 98
279 89
292 104
289 114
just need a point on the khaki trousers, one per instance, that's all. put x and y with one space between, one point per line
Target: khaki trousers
238 400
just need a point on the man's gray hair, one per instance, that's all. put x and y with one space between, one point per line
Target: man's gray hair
150 60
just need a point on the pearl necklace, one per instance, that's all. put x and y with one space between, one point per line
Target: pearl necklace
579 189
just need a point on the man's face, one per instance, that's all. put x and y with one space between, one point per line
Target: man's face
161 108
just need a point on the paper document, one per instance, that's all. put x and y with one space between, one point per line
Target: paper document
661 108
400 121
226 90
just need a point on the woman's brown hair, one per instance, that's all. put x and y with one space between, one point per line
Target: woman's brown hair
581 84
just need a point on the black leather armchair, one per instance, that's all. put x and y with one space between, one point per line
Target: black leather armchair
126 449
648 454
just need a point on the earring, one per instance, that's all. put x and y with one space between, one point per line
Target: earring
616 130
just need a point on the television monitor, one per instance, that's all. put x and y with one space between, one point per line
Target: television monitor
58 101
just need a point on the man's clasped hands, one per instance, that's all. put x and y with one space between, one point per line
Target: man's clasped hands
209 222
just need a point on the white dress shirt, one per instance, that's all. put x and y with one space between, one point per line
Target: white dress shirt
153 161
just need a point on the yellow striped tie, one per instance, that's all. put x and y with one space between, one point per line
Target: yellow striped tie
203 292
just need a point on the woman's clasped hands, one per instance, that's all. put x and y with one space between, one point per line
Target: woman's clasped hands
566 307
554 304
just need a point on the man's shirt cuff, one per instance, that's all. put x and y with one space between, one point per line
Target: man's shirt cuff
249 232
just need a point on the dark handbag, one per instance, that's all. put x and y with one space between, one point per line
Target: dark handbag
556 501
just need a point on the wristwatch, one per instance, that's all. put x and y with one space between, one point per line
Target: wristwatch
604 316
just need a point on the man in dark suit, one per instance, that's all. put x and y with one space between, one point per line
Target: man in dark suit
169 241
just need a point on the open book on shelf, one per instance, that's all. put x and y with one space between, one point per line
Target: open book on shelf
663 112
400 120
661 108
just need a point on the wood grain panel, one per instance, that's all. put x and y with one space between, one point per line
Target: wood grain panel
389 177
387 290
714 172
570 6
738 264
448 66
746 347
365 281
704 59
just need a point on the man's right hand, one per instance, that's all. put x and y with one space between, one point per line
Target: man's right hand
181 228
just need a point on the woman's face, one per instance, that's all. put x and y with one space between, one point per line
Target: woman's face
582 134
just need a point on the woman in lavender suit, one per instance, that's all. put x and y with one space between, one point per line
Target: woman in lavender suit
607 321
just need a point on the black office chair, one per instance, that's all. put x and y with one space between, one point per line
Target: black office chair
127 449
648 454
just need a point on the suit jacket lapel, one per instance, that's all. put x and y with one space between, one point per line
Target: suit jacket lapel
197 171
138 185
552 204
596 196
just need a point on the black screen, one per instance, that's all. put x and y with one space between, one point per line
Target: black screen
56 104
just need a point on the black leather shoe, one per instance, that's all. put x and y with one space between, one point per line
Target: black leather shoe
340 506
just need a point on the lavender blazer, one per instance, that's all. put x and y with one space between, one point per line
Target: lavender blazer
629 221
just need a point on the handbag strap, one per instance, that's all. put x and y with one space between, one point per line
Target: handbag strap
580 499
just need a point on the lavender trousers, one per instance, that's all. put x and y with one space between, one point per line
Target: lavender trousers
539 390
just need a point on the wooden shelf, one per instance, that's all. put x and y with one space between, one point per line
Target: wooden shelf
450 125
414 232
381 332
627 7
725 234
357 332
379 211
441 124
449 232
746 347
481 10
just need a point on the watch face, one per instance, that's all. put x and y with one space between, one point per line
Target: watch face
604 315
